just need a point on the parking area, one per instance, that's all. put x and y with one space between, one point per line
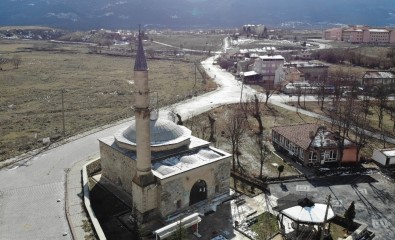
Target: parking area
374 198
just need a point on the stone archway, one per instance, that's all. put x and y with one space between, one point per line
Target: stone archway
198 192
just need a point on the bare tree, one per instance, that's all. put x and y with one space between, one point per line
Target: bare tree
360 124
234 129
322 92
252 107
269 91
381 95
263 151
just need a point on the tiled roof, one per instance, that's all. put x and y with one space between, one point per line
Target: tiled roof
298 134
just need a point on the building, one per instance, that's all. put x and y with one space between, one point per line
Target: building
353 35
333 34
287 74
385 157
160 165
372 79
361 34
313 144
266 66
312 71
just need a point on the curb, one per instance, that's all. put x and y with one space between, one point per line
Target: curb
87 202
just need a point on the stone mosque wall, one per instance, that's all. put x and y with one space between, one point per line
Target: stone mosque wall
178 188
118 168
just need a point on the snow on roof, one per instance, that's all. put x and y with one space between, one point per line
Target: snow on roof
180 163
389 153
275 57
249 73
380 74
378 30
308 64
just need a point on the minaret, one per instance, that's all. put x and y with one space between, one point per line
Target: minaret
144 175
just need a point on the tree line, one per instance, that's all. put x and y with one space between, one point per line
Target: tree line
380 59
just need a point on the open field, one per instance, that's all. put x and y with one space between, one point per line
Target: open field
97 90
202 42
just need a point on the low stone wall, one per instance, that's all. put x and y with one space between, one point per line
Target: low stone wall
361 229
90 167
93 167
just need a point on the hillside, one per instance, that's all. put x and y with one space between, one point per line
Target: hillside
73 14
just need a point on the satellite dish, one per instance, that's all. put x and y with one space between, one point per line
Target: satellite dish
154 115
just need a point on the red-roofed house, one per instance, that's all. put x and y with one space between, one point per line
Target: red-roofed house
313 144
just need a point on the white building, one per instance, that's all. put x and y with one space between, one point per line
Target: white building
385 157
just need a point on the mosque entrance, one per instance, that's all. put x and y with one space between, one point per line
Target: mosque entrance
198 192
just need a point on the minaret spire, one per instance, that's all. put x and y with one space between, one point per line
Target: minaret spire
144 175
141 63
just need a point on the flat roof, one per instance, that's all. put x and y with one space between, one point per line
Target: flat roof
249 73
379 30
389 152
184 162
275 57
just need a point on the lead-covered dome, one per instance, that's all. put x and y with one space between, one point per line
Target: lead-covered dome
165 135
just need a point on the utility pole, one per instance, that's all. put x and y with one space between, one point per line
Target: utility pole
242 86
326 215
64 128
195 76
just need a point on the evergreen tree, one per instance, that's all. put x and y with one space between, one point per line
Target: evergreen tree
280 170
350 214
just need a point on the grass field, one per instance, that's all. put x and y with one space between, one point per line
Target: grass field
97 89
202 42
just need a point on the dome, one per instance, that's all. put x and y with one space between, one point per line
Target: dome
165 135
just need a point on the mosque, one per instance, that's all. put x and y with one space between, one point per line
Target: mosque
159 164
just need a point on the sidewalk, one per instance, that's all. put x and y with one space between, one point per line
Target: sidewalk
78 220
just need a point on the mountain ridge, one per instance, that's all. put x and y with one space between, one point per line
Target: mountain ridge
181 14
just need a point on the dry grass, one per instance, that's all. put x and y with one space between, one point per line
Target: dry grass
98 90
205 42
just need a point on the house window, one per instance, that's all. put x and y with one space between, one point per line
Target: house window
301 155
332 155
312 157
329 156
